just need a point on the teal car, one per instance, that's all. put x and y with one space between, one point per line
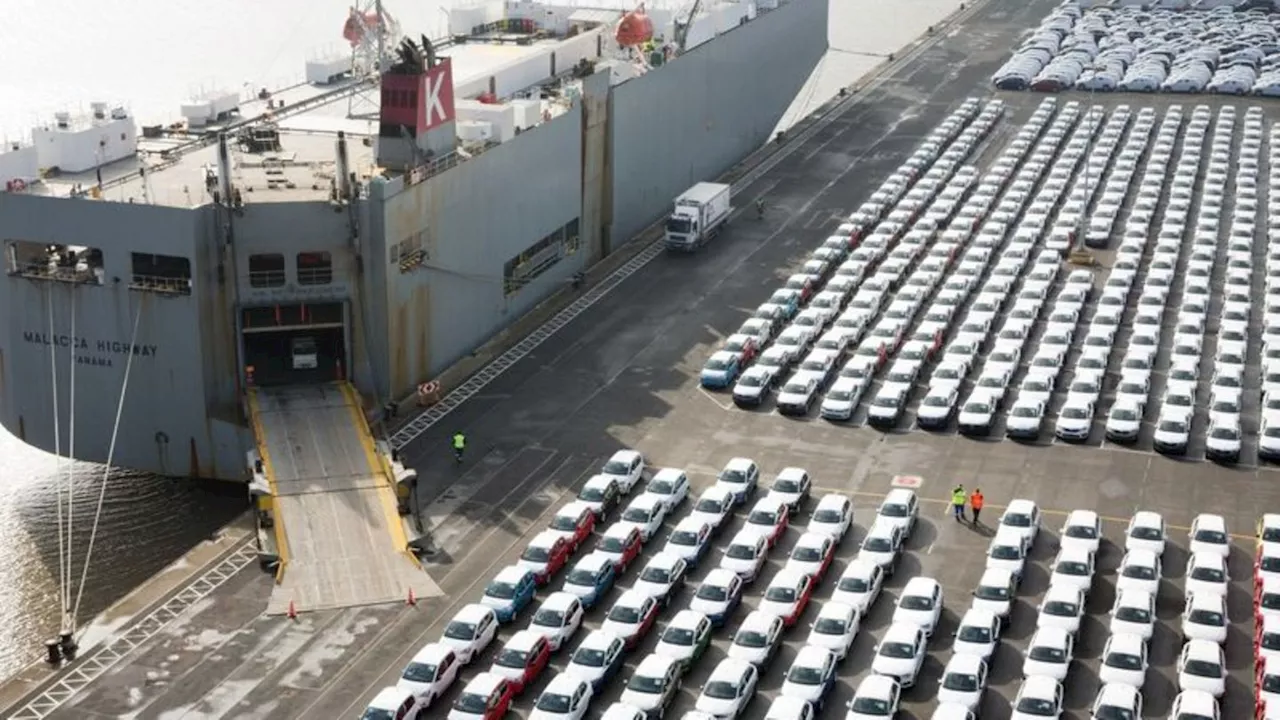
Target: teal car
720 371
510 591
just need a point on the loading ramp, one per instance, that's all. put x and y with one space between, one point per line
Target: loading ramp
337 529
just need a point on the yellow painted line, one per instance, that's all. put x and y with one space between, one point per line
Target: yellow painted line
990 506
386 492
277 521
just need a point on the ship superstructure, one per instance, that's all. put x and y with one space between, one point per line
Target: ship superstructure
287 237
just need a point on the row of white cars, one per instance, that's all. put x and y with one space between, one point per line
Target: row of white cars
845 283
1201 667
1269 430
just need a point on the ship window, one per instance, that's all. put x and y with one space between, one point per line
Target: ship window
266 270
540 257
315 268
65 263
572 240
161 273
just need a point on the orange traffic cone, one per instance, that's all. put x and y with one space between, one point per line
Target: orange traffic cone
413 599
293 611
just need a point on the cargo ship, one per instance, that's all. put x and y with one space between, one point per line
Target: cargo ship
369 227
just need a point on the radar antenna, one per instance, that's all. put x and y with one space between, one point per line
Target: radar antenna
371 31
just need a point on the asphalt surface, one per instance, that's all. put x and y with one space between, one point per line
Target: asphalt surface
624 375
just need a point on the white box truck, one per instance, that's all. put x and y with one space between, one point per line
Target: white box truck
698 215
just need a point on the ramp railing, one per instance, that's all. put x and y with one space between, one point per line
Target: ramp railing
266 504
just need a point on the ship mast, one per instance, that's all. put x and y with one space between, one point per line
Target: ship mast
370 30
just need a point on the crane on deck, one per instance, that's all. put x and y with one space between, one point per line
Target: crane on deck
681 35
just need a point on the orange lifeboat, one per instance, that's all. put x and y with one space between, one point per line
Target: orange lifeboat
635 28
354 29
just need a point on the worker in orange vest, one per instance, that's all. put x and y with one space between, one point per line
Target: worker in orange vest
975 503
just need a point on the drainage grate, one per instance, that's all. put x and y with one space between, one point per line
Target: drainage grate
93 665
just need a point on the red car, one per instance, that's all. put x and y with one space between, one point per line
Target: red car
632 616
522 659
769 517
745 346
622 542
575 522
787 595
803 283
546 554
487 696
812 555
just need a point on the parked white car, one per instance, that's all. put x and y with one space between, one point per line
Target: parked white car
835 628
1124 660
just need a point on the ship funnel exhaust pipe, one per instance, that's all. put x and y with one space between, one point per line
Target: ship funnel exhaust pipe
224 169
342 171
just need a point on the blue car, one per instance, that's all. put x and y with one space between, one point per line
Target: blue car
597 659
591 578
787 299
509 592
718 595
721 370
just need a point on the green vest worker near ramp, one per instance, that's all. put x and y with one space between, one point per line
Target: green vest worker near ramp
957 501
459 444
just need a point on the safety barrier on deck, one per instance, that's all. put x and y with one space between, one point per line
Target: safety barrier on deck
332 500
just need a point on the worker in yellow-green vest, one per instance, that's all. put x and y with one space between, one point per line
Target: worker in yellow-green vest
459 444
957 502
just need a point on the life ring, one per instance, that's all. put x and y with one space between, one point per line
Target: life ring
428 392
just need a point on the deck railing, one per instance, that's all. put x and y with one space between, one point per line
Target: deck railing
162 285
58 273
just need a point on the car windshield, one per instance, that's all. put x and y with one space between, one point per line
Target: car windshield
1129 613
974 634
877 544
1006 552
805 675
1114 712
1224 433
592 494
978 407
721 690
1016 519
962 682
625 614
853 584
645 684
786 485
553 703
1172 426
589 657
678 636
1207 617
1061 609
1082 532
655 574
840 395
899 650
1203 668
1074 413
508 657
870 706
1138 572
806 554
548 617
751 381
581 576
1211 536
780 593
1039 707
827 515
830 626
885 401
1072 567
1142 532
741 552
500 590
946 373
1045 653
991 592
458 630
617 467
684 537
916 602
1208 574
469 703
536 554
1124 413
711 506
419 672
798 387
751 639
637 514
660 486
762 517
715 593
895 510
564 523
1026 411
377 714
716 363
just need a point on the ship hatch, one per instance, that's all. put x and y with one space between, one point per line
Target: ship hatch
294 344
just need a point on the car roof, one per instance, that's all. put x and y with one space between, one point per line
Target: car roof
664 560
1068 593
1197 702
720 576
920 585
626 456
1074 553
1148 518
432 653
1134 596
1126 642
1039 686
523 640
880 686
564 684
474 613
686 618
768 504
1209 521
898 495
485 682
546 538
978 616
691 524
559 600
901 632
1205 557
788 577
594 561
575 508
1142 556
839 610
729 670
813 539
757 619
740 463
1006 535
964 663
1082 517
598 640
390 698
725 355
598 481
746 537
996 576
1203 650
647 501
1050 635
631 598
832 501
793 473
812 655
654 665
512 574
620 529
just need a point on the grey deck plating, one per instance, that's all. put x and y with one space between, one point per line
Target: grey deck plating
330 501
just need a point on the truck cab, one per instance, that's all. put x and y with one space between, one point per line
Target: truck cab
304 353
697 216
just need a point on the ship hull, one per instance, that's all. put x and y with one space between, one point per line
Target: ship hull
424 271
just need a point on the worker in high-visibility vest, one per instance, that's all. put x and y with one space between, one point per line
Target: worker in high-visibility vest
459 445
957 502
